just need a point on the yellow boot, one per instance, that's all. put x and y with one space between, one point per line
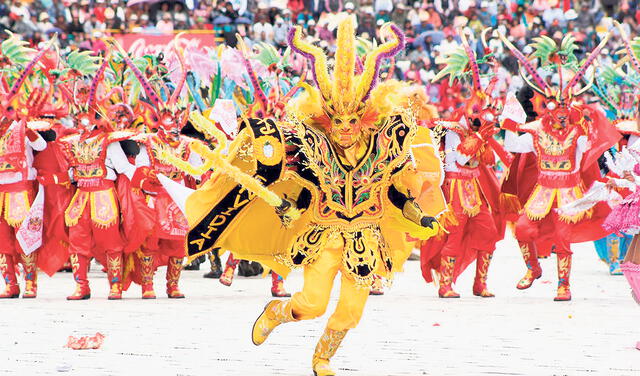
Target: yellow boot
325 350
276 312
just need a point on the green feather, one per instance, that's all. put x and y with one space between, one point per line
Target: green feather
16 50
215 87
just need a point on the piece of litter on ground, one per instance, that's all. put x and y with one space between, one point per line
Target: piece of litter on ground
637 345
63 367
436 324
85 343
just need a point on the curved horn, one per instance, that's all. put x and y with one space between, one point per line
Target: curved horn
541 85
15 88
372 65
483 38
146 86
253 77
586 87
317 58
473 63
96 80
627 46
180 56
359 66
583 69
526 79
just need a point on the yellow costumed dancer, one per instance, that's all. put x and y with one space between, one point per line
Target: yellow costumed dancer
343 177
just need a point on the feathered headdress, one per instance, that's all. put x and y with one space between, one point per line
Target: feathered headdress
160 111
462 64
15 52
344 92
561 59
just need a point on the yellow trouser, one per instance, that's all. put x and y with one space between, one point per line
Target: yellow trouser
312 301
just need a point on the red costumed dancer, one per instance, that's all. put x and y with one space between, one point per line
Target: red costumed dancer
470 186
167 239
565 143
17 186
96 158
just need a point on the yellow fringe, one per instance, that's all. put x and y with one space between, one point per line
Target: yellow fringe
68 220
576 218
471 212
129 264
343 73
534 217
367 76
448 218
13 221
94 210
320 65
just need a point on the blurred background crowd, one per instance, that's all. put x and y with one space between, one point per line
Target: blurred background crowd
431 26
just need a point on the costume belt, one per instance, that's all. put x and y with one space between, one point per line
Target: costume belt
24 185
463 173
95 185
557 179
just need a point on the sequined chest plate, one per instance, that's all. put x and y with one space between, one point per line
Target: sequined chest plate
351 193
556 154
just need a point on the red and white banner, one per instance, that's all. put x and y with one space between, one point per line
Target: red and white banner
29 234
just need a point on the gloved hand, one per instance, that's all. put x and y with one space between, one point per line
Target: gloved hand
146 179
288 212
470 145
487 131
412 212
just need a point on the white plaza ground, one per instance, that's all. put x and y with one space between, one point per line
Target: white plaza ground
408 331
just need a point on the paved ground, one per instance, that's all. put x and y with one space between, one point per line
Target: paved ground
409 331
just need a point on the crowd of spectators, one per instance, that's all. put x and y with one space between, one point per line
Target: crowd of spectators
431 26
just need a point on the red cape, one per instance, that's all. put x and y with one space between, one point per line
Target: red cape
54 251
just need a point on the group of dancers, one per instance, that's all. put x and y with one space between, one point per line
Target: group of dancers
335 170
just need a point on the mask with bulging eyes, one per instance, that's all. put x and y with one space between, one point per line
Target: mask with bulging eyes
170 124
558 114
345 130
85 122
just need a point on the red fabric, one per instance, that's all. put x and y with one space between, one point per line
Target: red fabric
471 234
602 136
55 239
548 230
523 176
8 240
165 247
87 239
170 222
137 218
